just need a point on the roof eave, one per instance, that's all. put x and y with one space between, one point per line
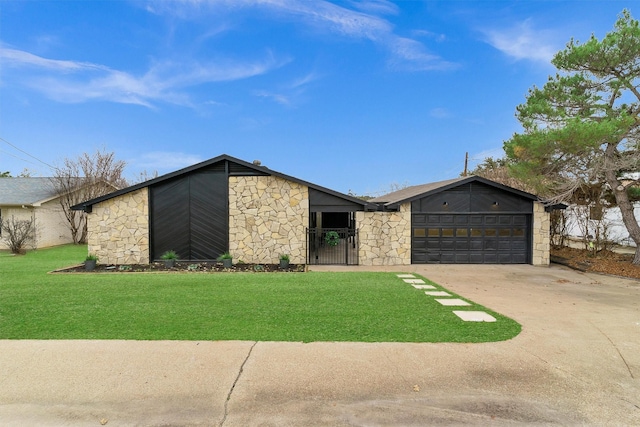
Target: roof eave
87 204
397 203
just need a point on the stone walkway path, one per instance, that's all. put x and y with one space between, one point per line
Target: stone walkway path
467 316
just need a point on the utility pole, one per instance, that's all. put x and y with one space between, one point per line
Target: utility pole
466 162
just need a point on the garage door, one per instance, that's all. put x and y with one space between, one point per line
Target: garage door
470 238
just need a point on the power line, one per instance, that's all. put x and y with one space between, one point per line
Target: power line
24 152
16 157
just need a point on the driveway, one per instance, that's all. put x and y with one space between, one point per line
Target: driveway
577 361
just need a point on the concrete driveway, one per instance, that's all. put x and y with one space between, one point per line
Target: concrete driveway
577 361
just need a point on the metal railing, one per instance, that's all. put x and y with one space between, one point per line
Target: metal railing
337 246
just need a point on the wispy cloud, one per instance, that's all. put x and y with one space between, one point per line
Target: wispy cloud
495 153
75 81
429 34
163 161
280 98
412 55
376 6
522 41
13 57
362 22
440 113
289 94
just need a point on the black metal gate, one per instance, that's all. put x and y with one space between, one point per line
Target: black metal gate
337 246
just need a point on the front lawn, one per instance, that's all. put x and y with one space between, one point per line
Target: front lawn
314 306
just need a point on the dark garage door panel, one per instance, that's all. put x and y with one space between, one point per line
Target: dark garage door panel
470 238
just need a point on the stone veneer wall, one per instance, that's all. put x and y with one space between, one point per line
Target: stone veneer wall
119 229
268 216
541 235
385 237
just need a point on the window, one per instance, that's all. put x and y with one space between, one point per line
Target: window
462 232
447 232
595 213
433 232
419 232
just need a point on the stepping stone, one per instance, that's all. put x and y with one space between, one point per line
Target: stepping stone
474 316
424 286
406 276
452 301
413 280
438 294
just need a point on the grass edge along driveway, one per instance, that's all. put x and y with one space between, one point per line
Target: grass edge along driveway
299 307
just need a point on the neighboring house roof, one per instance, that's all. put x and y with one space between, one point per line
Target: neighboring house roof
86 206
396 198
26 191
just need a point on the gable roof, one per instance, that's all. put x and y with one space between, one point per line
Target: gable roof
26 191
396 198
262 170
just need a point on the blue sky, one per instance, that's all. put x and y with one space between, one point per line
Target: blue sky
351 95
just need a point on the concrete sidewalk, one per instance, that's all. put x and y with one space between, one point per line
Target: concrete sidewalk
577 361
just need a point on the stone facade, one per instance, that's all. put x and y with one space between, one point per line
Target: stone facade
385 237
119 229
541 235
268 216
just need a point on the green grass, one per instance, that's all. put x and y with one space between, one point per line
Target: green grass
314 306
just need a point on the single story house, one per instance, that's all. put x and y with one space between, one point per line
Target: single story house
35 198
257 214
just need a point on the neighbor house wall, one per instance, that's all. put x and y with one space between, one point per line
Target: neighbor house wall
19 214
541 235
52 228
118 229
616 231
385 237
268 216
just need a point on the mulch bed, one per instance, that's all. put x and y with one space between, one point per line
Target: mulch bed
190 267
606 262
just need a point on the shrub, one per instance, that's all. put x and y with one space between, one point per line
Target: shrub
17 233
169 255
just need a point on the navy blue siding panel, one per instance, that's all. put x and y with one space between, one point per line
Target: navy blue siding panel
190 215
209 219
472 197
169 212
320 201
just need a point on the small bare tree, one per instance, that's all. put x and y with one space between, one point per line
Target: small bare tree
594 227
17 233
144 176
559 224
85 178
